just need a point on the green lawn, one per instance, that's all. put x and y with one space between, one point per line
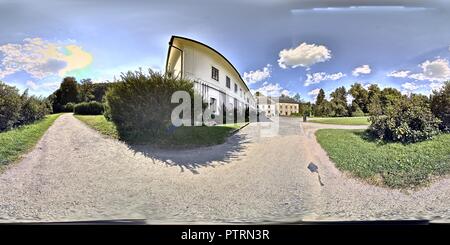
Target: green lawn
182 136
100 124
390 164
340 120
18 141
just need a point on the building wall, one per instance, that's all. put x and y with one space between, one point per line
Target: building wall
286 109
197 64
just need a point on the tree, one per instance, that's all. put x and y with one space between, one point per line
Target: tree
320 97
10 105
69 90
360 96
440 106
406 120
388 97
86 89
140 104
297 98
339 102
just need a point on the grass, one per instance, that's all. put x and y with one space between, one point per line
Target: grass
182 136
394 165
100 124
16 142
341 120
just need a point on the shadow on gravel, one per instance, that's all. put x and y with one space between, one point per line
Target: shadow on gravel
193 159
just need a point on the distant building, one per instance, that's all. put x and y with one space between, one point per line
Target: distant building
266 106
216 79
287 106
280 106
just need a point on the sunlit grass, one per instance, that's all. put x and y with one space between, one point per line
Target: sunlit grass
391 164
340 120
16 142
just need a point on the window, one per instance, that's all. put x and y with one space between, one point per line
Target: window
235 88
240 91
212 104
214 73
228 82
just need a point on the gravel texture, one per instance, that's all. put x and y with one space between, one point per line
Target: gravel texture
74 173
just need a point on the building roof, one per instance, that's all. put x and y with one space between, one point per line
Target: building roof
274 100
265 100
212 49
286 99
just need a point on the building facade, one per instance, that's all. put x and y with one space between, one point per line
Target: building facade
277 106
215 78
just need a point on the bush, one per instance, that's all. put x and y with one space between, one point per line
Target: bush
32 109
405 121
88 108
10 105
357 112
69 107
140 104
440 106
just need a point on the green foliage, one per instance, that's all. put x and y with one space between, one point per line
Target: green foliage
320 97
339 103
10 106
394 165
69 107
356 111
17 110
440 106
360 97
32 109
88 108
69 90
85 89
405 120
140 104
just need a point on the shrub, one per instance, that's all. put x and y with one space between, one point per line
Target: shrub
33 109
357 112
69 107
10 105
405 121
440 106
140 104
88 108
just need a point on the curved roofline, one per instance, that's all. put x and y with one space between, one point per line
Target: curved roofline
215 51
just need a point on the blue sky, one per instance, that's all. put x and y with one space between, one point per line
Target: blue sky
279 47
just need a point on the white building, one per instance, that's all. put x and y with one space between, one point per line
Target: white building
267 106
216 79
277 106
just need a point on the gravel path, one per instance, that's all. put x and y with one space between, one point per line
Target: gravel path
74 173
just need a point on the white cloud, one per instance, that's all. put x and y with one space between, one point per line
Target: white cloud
314 92
399 74
321 76
46 86
410 86
287 93
436 85
305 55
41 58
258 75
272 89
364 69
434 71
